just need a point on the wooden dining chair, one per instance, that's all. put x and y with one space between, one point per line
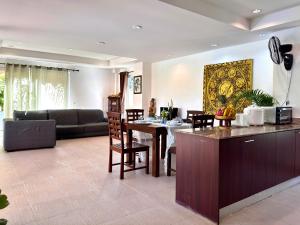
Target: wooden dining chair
134 114
201 121
115 126
191 113
198 121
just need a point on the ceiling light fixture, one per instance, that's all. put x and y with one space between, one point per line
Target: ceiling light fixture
214 45
101 43
256 11
71 49
137 27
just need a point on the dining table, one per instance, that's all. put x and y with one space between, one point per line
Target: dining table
163 137
159 141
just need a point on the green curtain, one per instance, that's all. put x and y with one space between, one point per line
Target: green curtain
34 88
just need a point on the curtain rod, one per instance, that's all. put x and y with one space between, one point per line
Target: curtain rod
48 67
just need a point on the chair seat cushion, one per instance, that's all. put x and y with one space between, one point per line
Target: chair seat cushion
133 147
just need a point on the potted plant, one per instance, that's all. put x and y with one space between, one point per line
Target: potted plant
257 97
164 116
262 108
3 204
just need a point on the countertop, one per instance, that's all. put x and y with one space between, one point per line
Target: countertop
236 131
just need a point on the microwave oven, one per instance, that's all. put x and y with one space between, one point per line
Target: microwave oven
284 115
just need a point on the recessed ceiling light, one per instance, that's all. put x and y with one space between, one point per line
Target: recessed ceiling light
214 45
71 49
137 27
256 11
101 43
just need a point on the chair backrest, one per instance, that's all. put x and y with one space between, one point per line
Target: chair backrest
134 114
191 113
203 121
115 127
174 112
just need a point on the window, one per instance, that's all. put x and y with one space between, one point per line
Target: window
34 88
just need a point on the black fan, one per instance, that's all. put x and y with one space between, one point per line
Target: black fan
279 52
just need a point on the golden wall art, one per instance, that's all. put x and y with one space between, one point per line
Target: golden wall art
229 79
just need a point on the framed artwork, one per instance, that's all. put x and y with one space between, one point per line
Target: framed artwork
229 79
137 84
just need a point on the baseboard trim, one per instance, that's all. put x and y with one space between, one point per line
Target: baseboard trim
258 197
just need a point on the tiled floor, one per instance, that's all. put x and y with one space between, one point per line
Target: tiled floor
70 185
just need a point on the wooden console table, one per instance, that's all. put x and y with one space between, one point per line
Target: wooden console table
157 132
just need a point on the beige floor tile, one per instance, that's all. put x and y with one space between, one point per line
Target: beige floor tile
70 185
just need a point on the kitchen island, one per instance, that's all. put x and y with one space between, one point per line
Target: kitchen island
217 167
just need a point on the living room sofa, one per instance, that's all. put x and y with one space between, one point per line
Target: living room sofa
28 134
34 129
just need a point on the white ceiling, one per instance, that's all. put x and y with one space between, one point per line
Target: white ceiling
170 30
245 7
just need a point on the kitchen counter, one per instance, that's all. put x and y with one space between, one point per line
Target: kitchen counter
236 131
220 167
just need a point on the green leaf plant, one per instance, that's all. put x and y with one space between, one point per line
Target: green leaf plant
257 97
3 204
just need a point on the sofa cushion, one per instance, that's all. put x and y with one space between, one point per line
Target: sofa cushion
95 127
68 130
28 134
86 116
30 115
64 116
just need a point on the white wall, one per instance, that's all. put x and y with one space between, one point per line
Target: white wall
140 101
291 36
90 87
135 101
146 86
182 78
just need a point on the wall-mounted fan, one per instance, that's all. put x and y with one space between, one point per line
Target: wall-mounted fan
279 53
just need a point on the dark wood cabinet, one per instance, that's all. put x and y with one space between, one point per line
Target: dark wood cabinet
247 166
231 174
114 104
264 162
191 178
297 158
214 173
285 146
